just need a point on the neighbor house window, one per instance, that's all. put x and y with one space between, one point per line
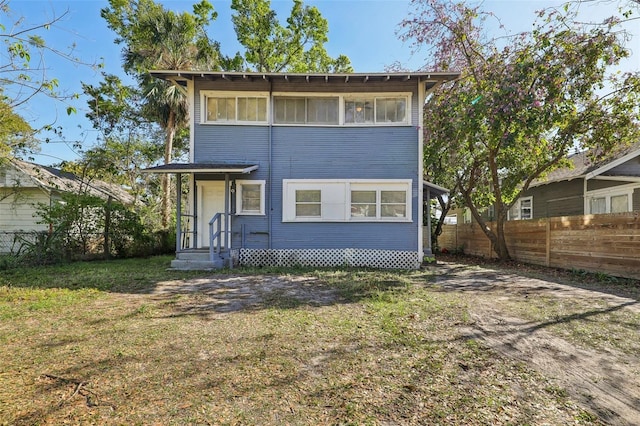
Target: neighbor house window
619 203
342 200
306 110
220 107
598 205
522 209
250 197
466 215
610 200
375 110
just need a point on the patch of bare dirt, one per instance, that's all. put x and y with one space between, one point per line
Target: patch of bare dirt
229 293
606 382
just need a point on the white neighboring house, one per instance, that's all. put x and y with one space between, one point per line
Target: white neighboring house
24 185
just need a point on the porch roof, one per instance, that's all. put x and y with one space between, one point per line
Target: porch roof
435 189
202 168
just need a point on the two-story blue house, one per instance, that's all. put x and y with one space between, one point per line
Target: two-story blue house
303 169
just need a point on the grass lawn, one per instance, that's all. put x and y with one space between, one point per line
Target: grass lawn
94 343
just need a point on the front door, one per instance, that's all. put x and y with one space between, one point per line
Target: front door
210 202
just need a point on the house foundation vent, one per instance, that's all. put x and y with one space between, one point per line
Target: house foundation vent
383 259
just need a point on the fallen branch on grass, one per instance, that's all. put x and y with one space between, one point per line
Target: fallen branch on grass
81 389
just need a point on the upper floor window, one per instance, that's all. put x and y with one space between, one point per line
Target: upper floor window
375 110
230 108
306 110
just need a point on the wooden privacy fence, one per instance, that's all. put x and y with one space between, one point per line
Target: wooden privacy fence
608 243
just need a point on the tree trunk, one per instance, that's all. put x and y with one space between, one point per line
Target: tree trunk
445 207
500 244
166 179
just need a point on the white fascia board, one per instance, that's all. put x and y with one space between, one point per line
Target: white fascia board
611 165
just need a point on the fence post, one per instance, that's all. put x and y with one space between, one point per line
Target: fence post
548 248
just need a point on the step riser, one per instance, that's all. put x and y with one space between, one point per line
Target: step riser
197 265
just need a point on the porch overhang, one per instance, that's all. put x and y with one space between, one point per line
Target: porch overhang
218 168
435 189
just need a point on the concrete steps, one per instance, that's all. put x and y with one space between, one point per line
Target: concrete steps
198 260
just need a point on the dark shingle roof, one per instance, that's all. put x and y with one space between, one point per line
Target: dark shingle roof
52 179
582 165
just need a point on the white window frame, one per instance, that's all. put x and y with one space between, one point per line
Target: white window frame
239 208
205 94
466 215
511 215
345 97
607 193
306 97
336 198
374 98
379 187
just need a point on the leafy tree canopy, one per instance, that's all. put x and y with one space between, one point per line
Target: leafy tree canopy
16 134
520 106
296 47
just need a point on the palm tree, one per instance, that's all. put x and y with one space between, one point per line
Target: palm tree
156 38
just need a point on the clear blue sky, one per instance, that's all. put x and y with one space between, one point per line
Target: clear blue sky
364 30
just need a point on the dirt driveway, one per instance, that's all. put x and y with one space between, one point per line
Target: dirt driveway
605 380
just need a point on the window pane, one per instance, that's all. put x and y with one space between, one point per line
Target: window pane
245 112
619 203
358 111
262 109
308 203
363 204
392 110
227 109
251 198
212 109
393 210
393 203
252 109
393 197
598 205
308 196
290 110
308 210
322 110
363 196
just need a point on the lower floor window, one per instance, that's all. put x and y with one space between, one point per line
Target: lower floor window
522 209
340 200
308 203
250 197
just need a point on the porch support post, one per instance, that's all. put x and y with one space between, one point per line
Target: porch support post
427 247
178 211
227 203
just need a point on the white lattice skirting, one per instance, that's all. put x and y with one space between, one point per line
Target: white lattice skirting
384 259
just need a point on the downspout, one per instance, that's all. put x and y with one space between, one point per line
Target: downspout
421 99
428 250
270 174
227 216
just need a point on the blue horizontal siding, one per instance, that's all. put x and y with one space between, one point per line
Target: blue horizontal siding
302 152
